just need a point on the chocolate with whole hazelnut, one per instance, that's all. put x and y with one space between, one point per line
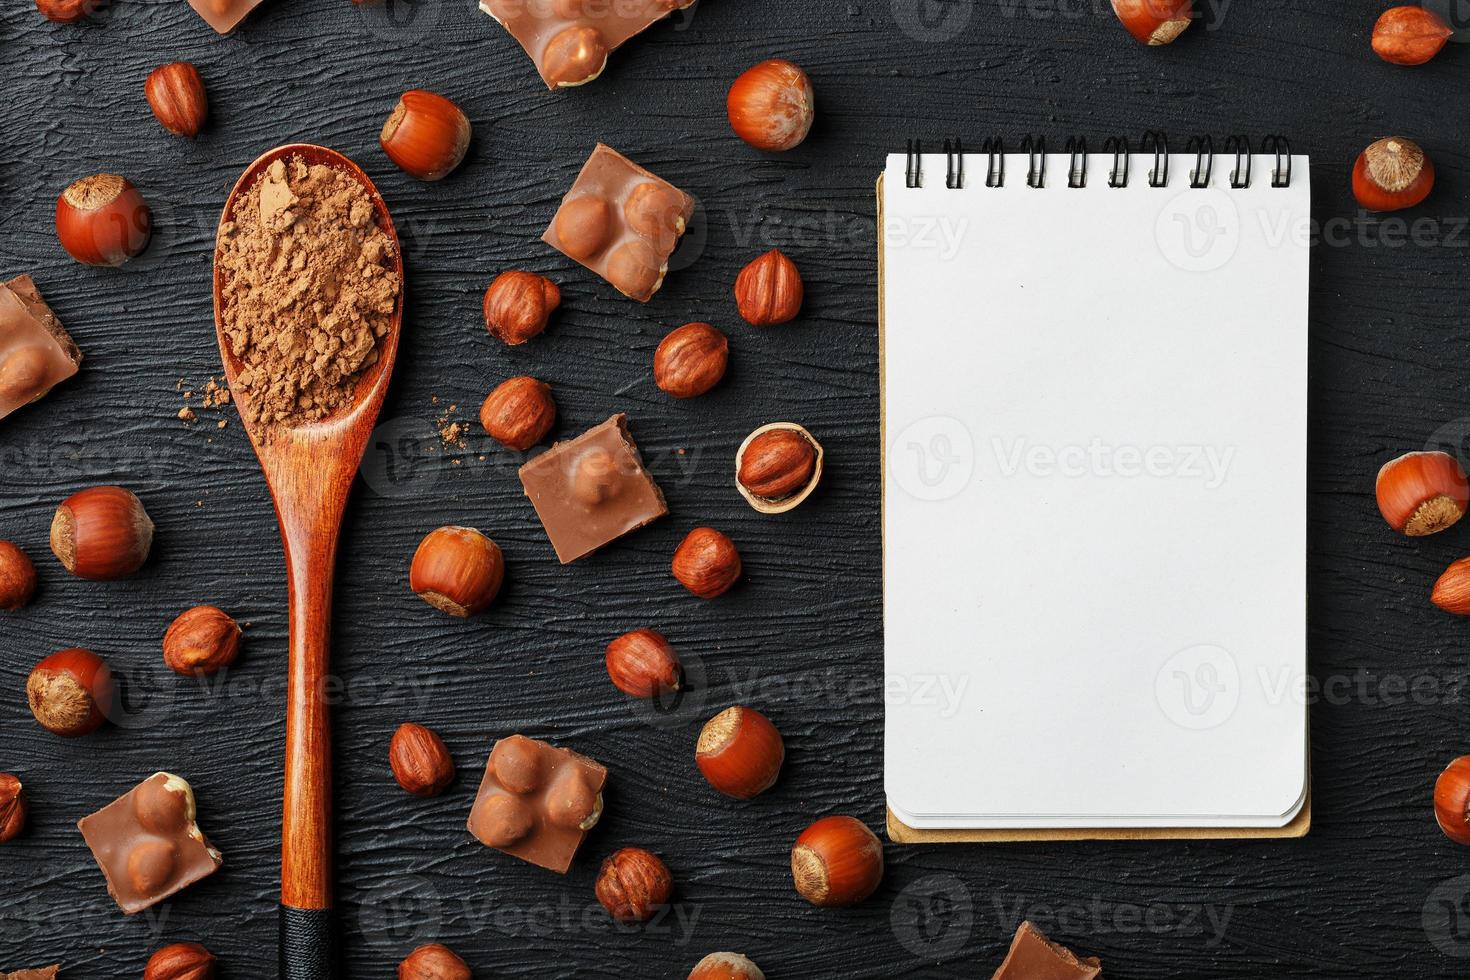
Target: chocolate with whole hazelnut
224 15
36 352
537 801
148 844
569 42
622 222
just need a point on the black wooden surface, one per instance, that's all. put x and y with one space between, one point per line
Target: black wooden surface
1375 891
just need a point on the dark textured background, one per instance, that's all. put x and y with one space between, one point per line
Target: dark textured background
1375 891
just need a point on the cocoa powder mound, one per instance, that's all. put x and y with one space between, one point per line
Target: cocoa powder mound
309 291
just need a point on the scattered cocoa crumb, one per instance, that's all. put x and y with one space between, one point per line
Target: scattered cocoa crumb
186 414
222 423
309 290
216 394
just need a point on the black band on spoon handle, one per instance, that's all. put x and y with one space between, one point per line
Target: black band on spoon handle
307 951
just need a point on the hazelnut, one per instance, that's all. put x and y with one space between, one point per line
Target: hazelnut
151 864
1452 800
1410 35
17 577
457 570
769 290
102 533
777 467
597 478
23 372
706 563
202 641
691 360
1154 22
181 961
164 806
655 211
12 807
771 105
635 270
420 761
519 413
837 861
1392 174
1422 493
103 220
176 94
726 966
518 305
583 226
1452 590
574 57
67 11
633 884
517 764
433 962
740 752
643 664
501 819
70 692
426 135
571 802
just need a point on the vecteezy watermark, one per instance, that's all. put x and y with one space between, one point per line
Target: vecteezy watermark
1446 917
932 458
400 915
1198 687
933 20
1199 230
1208 464
1098 917
933 917
939 233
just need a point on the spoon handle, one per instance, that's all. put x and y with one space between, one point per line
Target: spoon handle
306 815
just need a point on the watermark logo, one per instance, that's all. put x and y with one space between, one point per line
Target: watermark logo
1209 465
401 915
933 458
1199 230
1199 687
676 709
933 21
1446 917
933 917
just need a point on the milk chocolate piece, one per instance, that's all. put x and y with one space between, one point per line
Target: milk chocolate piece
537 801
592 489
569 40
621 222
147 843
224 15
36 352
1034 957
41 973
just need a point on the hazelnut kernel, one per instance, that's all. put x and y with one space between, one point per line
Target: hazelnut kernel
201 641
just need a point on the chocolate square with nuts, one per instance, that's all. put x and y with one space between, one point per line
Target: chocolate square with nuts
621 222
36 352
592 490
537 801
147 843
570 40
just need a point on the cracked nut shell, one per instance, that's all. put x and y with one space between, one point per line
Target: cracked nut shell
778 466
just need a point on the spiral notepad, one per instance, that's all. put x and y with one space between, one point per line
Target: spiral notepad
1094 414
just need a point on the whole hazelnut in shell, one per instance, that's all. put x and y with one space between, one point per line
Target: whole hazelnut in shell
70 692
457 570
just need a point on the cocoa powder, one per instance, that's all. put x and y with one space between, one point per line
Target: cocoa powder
309 291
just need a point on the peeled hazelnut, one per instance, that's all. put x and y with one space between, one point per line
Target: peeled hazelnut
502 819
164 806
706 563
181 961
519 413
1392 174
1452 800
457 570
66 11
771 105
583 226
1422 493
12 807
574 57
518 305
643 664
769 290
202 641
571 803
635 270
691 360
633 884
517 764
102 533
837 861
103 220
433 962
176 94
1154 22
1410 35
70 692
17 577
777 467
1452 591
740 752
420 761
427 135
726 966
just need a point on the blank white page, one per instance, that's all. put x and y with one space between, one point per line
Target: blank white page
1095 414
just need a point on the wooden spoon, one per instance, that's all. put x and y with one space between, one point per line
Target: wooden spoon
309 469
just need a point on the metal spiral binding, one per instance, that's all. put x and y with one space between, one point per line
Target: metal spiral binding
1155 142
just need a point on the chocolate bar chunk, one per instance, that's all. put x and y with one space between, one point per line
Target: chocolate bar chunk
1034 957
41 973
537 802
569 40
592 489
621 222
147 843
224 15
36 352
